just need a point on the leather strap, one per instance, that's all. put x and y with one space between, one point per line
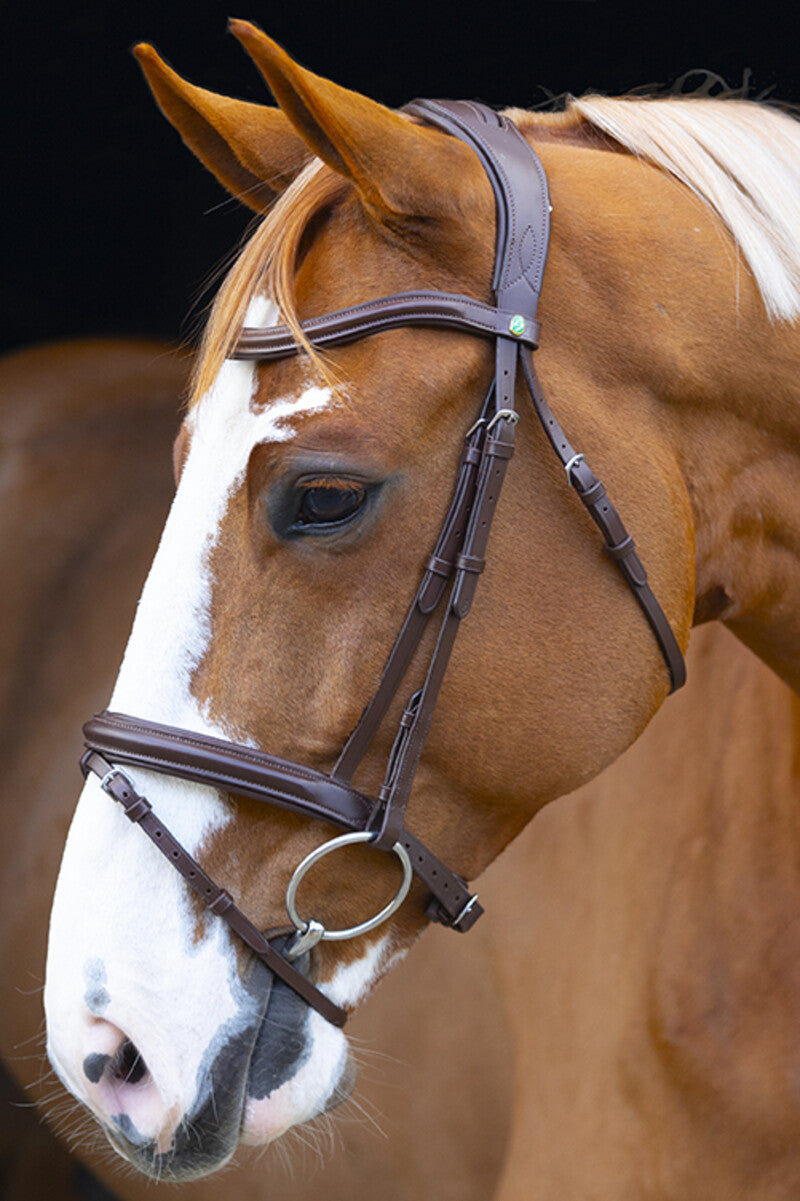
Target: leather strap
521 195
139 810
439 569
441 310
619 544
245 771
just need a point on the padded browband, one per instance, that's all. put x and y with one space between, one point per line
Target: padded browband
440 310
245 771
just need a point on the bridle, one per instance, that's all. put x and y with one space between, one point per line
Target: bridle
450 575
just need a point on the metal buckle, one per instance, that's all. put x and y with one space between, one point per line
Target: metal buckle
477 425
471 903
304 940
509 415
116 771
319 932
573 462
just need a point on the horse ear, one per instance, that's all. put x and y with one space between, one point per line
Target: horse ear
397 167
252 149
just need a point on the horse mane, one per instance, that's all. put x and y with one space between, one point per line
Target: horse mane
740 157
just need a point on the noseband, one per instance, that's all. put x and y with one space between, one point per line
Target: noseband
450 574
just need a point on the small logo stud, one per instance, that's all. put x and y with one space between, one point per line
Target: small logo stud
517 325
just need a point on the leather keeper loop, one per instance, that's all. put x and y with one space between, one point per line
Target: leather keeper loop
621 550
593 495
137 810
442 567
496 448
470 563
472 454
221 903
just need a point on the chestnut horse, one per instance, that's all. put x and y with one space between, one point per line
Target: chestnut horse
306 503
77 552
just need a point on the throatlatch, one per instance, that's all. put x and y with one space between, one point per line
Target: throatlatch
448 584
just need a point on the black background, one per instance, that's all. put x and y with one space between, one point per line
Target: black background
111 227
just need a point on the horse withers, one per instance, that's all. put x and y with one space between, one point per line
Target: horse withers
310 492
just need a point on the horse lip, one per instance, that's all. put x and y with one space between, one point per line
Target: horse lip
281 1044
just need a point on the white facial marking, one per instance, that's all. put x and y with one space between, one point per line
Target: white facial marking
306 1093
352 981
170 991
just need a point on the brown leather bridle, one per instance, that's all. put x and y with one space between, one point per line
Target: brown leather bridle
450 575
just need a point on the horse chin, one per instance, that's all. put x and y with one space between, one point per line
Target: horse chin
300 1067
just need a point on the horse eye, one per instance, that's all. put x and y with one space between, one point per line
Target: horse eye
330 503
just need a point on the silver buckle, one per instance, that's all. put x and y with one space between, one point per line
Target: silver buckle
116 771
573 462
471 903
477 425
509 415
304 940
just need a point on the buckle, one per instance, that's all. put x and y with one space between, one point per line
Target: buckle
509 415
470 905
573 462
108 777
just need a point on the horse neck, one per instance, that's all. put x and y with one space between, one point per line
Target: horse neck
738 443
674 342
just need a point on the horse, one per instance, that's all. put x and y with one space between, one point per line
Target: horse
77 561
308 493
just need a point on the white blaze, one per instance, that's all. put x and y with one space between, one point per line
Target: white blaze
116 900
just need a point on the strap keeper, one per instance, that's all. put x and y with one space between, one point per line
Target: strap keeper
470 563
621 550
221 903
632 567
437 566
592 495
497 449
138 809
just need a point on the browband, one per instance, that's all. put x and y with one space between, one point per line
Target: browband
440 310
449 578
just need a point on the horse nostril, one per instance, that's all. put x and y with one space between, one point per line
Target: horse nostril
127 1066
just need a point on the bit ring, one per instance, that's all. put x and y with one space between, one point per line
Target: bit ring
320 852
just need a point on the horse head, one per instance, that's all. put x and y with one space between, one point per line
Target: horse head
309 494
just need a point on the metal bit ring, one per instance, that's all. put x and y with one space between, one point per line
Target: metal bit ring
320 852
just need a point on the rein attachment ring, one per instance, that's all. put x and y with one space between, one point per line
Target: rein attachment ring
311 932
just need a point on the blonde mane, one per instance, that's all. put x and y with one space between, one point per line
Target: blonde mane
740 157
